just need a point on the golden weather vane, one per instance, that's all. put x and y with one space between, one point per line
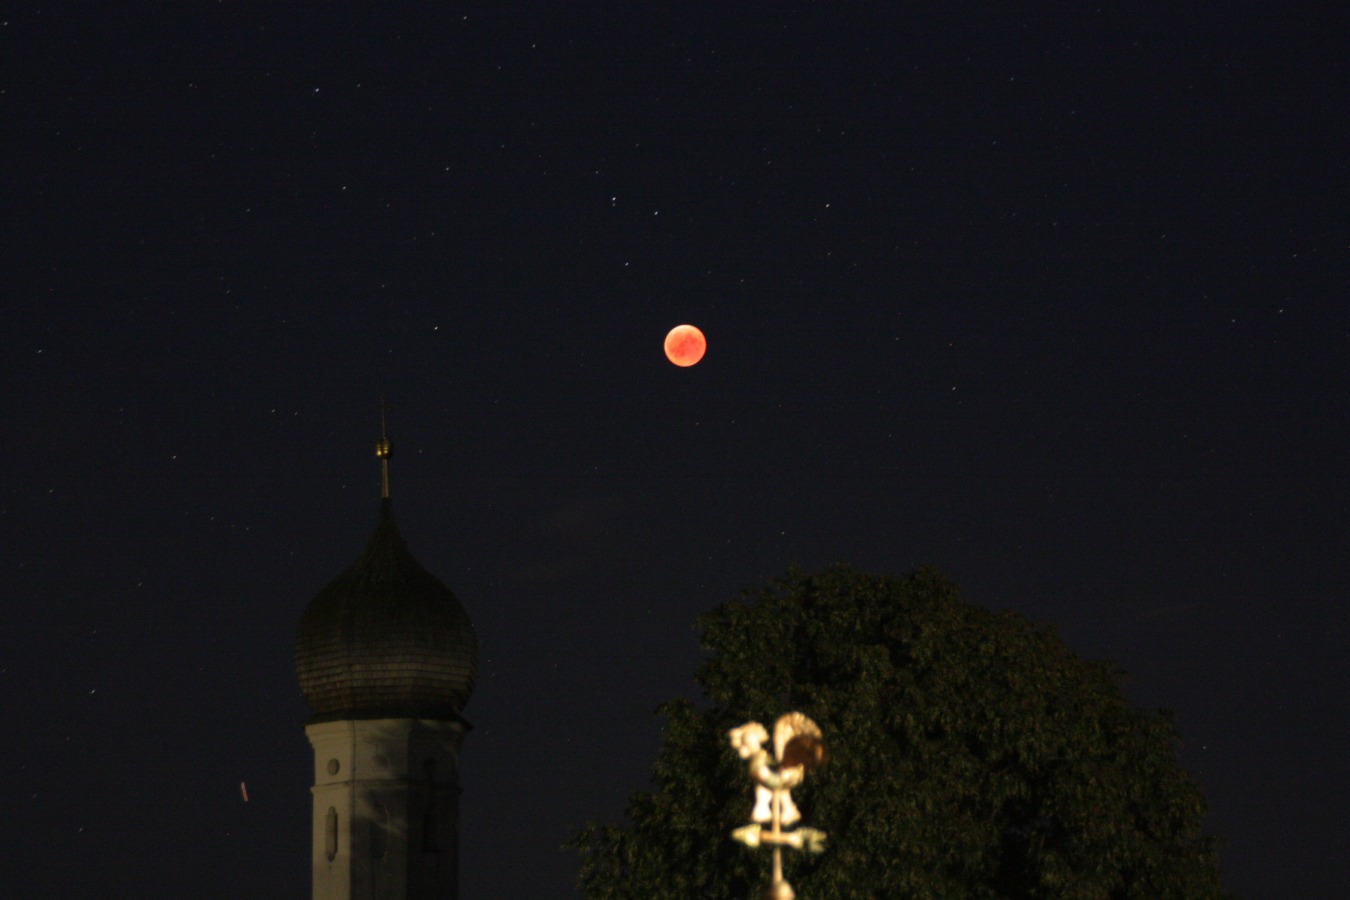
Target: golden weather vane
798 748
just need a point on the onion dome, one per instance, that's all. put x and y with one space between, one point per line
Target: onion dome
385 639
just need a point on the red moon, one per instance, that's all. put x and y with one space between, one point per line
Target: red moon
685 345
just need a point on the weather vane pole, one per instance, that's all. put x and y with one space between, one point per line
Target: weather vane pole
798 748
384 450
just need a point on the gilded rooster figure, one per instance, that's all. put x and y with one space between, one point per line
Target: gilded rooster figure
798 748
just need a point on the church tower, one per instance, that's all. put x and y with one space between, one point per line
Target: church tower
386 657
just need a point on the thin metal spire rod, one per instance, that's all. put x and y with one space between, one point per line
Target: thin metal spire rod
384 450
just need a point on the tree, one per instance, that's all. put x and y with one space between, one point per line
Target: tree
972 755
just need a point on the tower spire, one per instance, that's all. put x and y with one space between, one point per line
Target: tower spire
387 658
384 450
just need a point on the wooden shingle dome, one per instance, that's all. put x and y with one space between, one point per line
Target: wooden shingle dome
385 639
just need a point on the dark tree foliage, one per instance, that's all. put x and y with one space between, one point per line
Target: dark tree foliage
972 755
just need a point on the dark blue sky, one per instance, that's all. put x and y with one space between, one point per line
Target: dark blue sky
1049 296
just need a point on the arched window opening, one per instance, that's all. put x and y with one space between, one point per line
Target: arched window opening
330 834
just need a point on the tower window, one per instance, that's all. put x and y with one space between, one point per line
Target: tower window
330 834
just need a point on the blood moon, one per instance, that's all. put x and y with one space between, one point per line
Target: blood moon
685 345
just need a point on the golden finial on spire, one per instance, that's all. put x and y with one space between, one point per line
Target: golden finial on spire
384 450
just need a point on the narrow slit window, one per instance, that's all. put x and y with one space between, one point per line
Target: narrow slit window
330 834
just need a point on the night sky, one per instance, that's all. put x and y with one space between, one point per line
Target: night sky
1050 296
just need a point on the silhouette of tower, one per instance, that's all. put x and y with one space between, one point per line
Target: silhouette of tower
386 657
